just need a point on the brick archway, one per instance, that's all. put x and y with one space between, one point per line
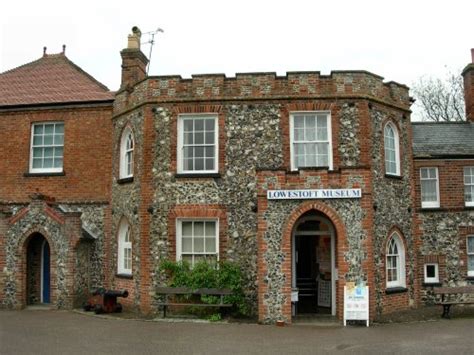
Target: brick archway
286 247
22 265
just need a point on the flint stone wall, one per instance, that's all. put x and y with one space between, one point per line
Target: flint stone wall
441 237
276 216
35 220
393 205
126 198
253 141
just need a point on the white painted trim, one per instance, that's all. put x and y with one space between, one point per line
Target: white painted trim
45 170
469 272
329 127
179 234
396 139
179 145
434 279
401 269
430 204
468 203
123 152
121 245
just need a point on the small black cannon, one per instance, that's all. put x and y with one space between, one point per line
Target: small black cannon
105 301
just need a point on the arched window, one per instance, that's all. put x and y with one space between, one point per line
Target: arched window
126 154
124 255
395 263
392 150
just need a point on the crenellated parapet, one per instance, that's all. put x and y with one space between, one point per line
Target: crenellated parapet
264 86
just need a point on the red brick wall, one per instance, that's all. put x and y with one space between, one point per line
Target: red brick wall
450 179
87 155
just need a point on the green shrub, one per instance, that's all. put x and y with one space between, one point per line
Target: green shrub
223 274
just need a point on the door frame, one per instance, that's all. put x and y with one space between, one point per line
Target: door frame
43 246
332 235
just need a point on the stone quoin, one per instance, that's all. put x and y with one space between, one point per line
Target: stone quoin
308 182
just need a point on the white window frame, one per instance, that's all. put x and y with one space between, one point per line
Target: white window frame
469 272
45 170
434 279
430 204
127 154
471 185
396 139
401 281
179 234
123 245
180 147
292 133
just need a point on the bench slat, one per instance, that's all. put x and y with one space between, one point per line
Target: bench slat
453 290
195 304
173 290
213 291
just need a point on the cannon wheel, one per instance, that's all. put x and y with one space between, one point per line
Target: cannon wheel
87 307
98 309
118 308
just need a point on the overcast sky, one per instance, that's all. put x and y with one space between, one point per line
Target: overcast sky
400 40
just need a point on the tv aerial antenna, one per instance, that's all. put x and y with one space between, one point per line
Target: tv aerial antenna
151 42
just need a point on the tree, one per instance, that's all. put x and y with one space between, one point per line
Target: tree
440 100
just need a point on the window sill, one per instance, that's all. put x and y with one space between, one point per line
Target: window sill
61 173
393 290
197 175
431 284
432 209
395 177
124 276
125 180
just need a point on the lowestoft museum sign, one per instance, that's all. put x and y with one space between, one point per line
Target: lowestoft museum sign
313 194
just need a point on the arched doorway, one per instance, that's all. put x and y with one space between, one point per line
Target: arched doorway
313 265
38 270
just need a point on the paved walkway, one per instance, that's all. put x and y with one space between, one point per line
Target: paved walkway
62 332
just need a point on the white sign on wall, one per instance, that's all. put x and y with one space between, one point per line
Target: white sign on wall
356 303
313 194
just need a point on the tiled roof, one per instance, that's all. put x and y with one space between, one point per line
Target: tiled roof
51 79
443 139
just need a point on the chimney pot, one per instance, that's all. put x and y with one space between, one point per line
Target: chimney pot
472 55
134 38
44 51
134 62
64 49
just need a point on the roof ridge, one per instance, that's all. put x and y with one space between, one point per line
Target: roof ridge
82 71
439 123
21 66
60 55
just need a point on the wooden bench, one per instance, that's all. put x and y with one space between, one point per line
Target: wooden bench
453 295
186 291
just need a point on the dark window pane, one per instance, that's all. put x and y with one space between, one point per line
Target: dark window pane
199 125
430 271
199 138
209 124
199 164
188 125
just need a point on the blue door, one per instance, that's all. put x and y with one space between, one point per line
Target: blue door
46 273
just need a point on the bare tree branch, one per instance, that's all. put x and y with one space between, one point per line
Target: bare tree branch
440 100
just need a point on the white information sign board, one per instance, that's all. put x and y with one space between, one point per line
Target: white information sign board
356 303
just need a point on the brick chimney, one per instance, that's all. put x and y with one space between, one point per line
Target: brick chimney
134 62
468 75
